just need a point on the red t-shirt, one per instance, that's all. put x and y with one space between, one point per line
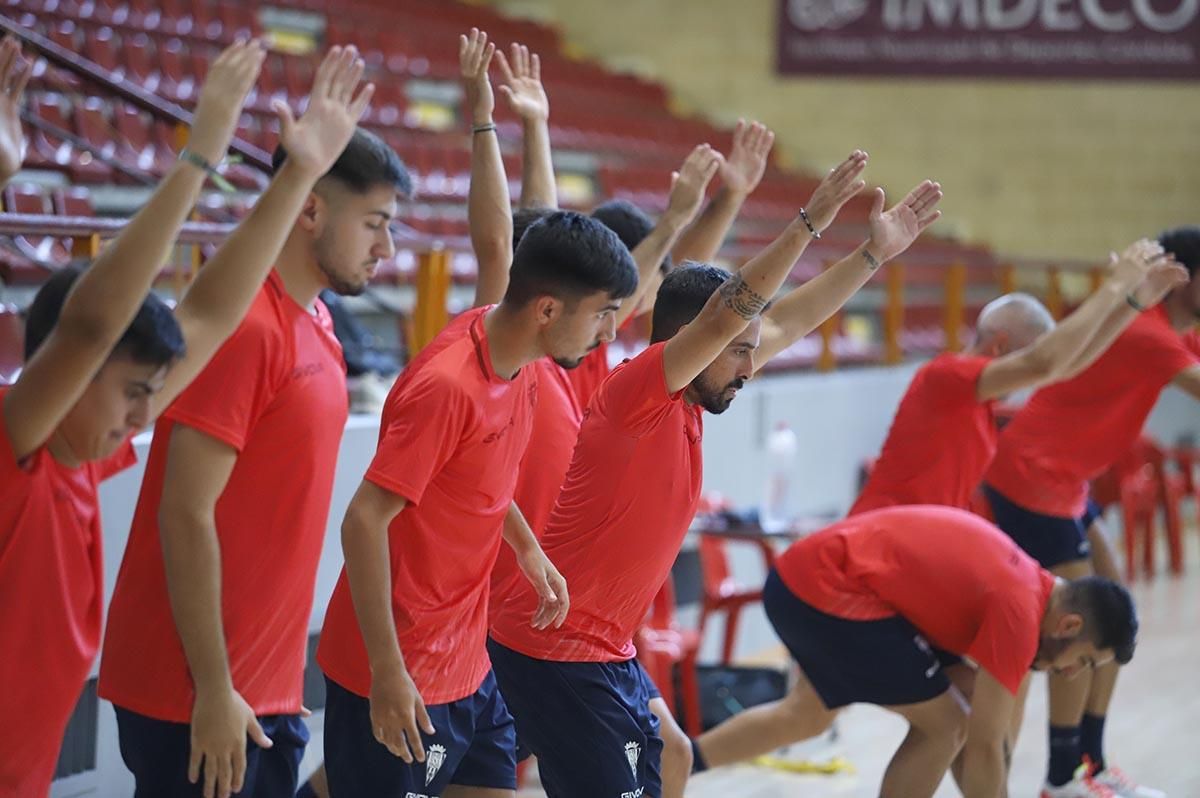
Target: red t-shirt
1192 342
629 496
940 443
1071 432
556 423
451 441
51 596
957 578
275 392
587 376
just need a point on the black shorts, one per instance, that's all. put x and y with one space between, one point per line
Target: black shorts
588 723
473 746
886 662
1050 539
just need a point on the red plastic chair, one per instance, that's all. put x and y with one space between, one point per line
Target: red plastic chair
722 593
662 644
1187 458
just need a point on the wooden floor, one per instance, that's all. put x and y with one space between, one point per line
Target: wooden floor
1153 732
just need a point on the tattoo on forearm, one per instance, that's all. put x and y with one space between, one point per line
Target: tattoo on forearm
741 298
1007 757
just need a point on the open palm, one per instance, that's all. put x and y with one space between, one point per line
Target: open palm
747 161
523 84
315 141
14 74
894 230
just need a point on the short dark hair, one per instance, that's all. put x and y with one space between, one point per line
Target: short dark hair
1109 616
568 256
1184 244
682 295
630 223
523 218
152 338
366 162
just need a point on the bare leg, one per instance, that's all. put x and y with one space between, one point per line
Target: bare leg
797 716
318 782
936 731
677 751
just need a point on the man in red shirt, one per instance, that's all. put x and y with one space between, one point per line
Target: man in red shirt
206 638
103 358
412 707
579 697
943 436
676 236
879 608
1037 485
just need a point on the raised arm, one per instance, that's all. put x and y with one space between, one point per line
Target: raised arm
14 74
740 175
107 296
804 308
397 712
1074 344
221 294
489 210
744 295
523 88
984 756
1163 276
687 192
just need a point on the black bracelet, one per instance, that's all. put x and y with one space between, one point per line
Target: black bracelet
198 161
807 223
483 128
1133 303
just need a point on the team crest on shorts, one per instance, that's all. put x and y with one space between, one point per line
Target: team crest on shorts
632 752
434 758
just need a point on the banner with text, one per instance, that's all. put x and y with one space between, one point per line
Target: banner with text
1148 39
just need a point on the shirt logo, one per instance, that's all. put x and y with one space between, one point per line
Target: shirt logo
492 437
434 758
307 370
632 752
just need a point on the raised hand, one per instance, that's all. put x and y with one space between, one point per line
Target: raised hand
229 81
894 230
314 142
746 162
839 186
14 74
474 57
522 85
1133 264
1163 275
690 182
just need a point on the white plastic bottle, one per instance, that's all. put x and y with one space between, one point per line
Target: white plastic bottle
782 447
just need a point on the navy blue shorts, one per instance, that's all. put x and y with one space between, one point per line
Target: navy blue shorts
157 753
473 746
886 662
588 723
1050 539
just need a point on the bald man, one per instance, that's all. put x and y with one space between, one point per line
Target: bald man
944 436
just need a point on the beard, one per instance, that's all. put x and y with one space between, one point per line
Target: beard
715 399
1049 649
569 363
339 284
